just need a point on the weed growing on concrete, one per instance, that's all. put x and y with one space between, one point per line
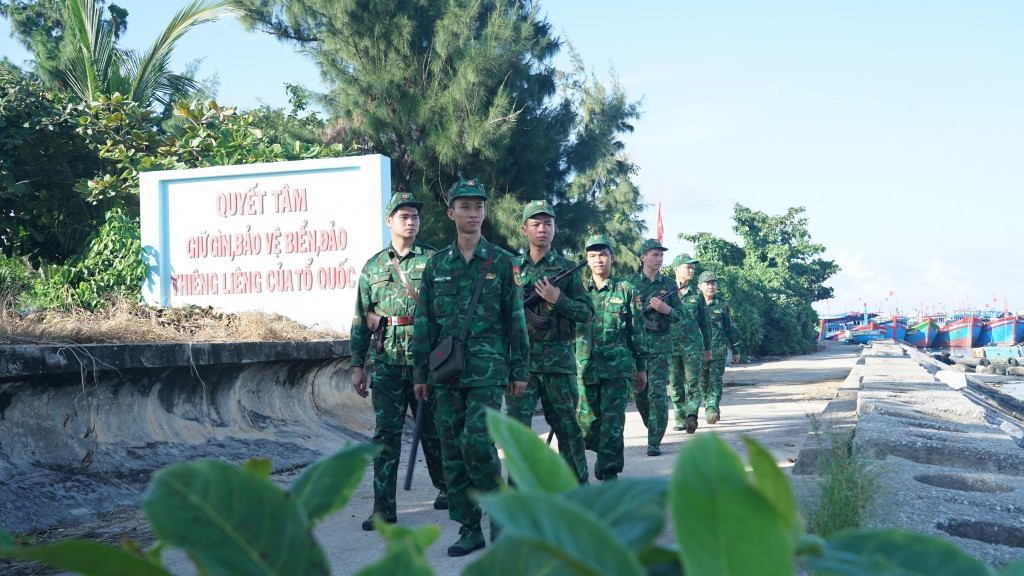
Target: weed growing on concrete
847 483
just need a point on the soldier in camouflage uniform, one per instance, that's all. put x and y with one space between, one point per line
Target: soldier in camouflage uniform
383 292
661 311
611 352
496 356
724 336
551 324
693 345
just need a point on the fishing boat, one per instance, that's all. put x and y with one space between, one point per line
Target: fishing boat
923 333
832 331
861 335
960 333
1005 331
895 328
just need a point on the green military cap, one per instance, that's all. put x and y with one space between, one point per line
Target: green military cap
402 199
595 240
651 244
708 276
537 207
471 188
683 259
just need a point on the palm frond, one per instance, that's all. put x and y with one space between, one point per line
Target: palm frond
153 80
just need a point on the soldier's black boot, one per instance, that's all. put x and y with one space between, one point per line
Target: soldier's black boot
470 538
441 502
691 423
368 523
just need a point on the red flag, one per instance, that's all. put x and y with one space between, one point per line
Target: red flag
661 227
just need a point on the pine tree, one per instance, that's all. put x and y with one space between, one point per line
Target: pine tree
467 89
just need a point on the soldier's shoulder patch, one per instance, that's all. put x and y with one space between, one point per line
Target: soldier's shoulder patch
515 275
637 303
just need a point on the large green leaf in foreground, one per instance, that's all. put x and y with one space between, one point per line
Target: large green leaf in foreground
555 525
326 486
724 525
83 557
231 521
531 463
894 553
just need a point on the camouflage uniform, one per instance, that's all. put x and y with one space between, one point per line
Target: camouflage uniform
724 335
552 365
497 351
610 350
382 291
652 402
692 337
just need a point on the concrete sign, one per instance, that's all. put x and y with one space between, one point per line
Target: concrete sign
284 237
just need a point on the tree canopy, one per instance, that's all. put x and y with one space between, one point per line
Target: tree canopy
469 89
771 279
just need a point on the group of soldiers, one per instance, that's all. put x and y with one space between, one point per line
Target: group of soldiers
542 329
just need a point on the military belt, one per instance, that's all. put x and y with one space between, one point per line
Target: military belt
400 320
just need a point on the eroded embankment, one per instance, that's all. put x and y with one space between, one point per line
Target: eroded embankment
83 427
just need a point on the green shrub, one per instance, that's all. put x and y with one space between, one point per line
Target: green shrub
112 267
16 277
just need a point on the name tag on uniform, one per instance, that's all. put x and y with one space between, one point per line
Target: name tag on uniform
442 278
615 300
490 276
421 265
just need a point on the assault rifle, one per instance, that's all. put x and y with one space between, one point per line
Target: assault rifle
657 324
530 296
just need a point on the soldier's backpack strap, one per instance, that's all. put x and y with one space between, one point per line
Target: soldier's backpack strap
408 286
477 290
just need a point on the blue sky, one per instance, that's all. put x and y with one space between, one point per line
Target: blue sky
899 126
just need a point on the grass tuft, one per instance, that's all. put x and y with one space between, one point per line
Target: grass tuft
848 485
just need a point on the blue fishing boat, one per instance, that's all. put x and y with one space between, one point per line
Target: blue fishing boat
1005 331
923 333
895 328
862 335
960 333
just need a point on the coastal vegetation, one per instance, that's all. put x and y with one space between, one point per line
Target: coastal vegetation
444 90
